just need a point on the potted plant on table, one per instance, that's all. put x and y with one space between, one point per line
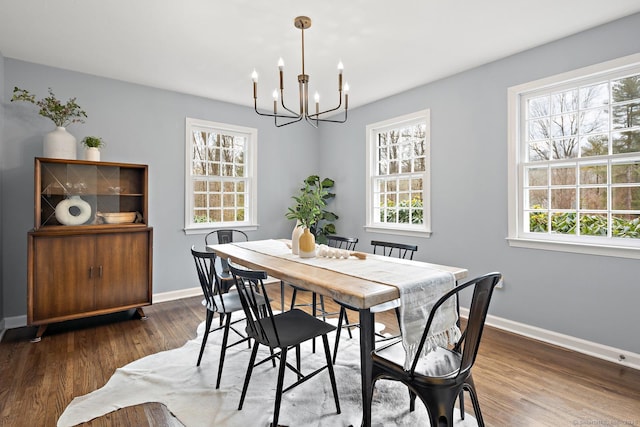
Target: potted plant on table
92 145
58 143
307 211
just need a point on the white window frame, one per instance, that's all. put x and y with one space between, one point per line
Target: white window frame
424 229
251 159
517 236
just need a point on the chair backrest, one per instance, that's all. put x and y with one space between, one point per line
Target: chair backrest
483 287
391 248
208 277
348 243
255 302
225 236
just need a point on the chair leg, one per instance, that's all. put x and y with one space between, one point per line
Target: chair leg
338 329
332 375
313 313
323 311
470 387
298 364
461 403
293 299
206 334
346 321
223 350
247 377
279 386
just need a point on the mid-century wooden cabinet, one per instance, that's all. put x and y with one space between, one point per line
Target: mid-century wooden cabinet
90 251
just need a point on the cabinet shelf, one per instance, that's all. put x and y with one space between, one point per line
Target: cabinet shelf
96 186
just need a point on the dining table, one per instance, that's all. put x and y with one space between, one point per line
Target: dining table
340 278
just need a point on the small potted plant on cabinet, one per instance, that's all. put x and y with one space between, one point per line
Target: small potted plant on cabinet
92 145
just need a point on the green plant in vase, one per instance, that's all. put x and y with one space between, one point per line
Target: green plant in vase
307 211
58 143
92 145
92 142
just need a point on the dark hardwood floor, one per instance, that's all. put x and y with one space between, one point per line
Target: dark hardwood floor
520 382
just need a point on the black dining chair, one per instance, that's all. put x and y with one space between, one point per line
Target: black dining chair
391 249
219 237
282 332
216 301
440 376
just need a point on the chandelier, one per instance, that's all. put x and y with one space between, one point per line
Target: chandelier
289 116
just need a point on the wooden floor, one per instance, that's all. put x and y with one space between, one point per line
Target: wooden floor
520 382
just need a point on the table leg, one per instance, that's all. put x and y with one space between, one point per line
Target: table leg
367 340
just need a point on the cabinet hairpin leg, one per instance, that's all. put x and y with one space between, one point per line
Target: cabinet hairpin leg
140 313
39 334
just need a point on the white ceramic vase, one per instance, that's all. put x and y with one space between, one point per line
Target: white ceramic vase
59 144
92 153
295 238
73 211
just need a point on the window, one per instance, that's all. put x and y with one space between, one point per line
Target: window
220 176
398 160
575 161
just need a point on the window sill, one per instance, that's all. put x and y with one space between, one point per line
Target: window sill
397 231
574 247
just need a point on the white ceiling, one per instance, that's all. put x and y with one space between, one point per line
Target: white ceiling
210 47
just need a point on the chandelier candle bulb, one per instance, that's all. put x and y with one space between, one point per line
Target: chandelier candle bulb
254 77
275 101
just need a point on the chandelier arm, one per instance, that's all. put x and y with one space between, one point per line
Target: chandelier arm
334 121
281 116
275 120
310 121
327 111
285 107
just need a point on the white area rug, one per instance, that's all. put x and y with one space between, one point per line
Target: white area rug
172 378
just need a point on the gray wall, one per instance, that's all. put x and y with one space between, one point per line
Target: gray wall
590 297
140 125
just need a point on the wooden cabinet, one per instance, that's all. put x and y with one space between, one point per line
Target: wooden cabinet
100 263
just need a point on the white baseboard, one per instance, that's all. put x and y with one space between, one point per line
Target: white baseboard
611 354
174 295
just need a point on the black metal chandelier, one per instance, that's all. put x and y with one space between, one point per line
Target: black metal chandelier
290 116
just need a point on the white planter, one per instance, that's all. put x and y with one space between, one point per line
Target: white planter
59 144
92 153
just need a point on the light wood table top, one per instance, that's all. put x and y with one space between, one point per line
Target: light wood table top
353 290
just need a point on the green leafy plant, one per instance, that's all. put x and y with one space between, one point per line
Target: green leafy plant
50 107
92 142
310 205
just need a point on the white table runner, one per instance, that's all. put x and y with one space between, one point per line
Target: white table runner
419 286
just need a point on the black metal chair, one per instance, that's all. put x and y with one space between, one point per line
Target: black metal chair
220 237
400 250
443 374
216 301
281 331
